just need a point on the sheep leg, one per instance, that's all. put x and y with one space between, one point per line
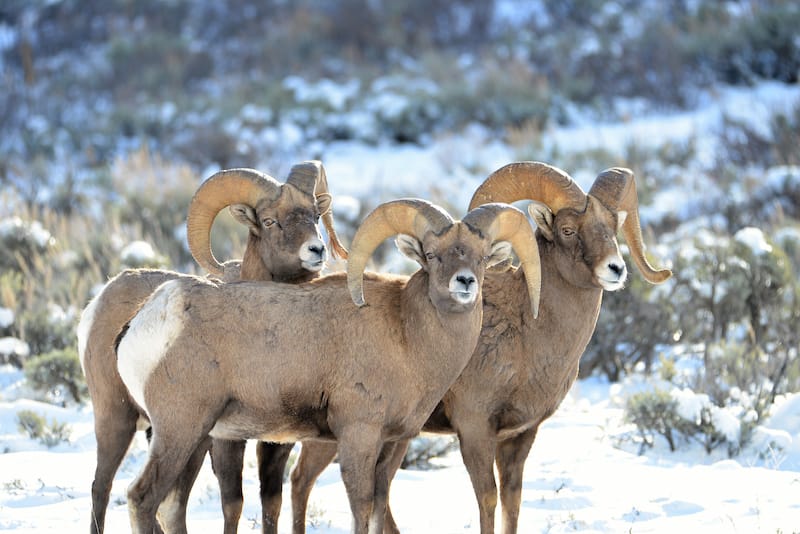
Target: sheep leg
169 453
227 461
314 458
386 469
114 433
172 511
511 456
358 450
478 451
272 458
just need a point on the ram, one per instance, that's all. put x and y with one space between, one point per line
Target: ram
283 245
280 362
522 368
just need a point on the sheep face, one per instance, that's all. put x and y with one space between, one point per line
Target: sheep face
284 239
455 263
284 243
585 246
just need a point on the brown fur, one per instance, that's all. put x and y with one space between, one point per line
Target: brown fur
271 254
520 371
367 377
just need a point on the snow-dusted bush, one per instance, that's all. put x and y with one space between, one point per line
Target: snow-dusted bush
726 283
734 305
141 254
22 239
681 416
422 449
13 351
57 372
48 327
37 427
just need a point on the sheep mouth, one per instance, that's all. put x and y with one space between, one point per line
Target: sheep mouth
611 284
464 297
313 266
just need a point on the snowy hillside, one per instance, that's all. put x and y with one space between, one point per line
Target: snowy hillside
686 416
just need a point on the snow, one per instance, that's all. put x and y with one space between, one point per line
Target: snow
6 317
580 476
28 230
576 479
137 253
751 106
754 239
327 91
12 345
690 404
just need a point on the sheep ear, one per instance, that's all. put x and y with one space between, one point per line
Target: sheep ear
621 216
246 216
410 247
501 251
543 218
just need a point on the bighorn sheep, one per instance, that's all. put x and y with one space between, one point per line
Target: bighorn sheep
291 363
522 369
283 245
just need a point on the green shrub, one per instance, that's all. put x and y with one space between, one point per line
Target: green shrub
21 239
421 450
158 64
761 46
653 413
36 427
44 334
55 370
660 413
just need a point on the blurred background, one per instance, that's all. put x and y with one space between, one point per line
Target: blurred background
112 112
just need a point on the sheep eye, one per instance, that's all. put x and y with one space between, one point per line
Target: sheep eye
267 222
567 232
429 256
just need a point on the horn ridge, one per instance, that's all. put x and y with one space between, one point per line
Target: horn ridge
530 180
615 188
409 216
310 177
502 222
226 187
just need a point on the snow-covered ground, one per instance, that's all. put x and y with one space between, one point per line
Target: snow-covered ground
581 475
576 479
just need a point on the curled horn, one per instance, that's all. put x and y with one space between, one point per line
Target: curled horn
530 180
615 188
404 216
502 222
310 177
233 186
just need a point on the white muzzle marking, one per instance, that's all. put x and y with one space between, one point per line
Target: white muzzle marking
463 286
150 334
313 255
611 272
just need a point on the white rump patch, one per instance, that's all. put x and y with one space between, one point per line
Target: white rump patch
85 326
150 333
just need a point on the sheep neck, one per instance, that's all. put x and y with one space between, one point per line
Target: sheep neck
531 363
569 314
445 339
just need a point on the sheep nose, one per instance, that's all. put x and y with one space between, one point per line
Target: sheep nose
617 268
317 248
467 280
